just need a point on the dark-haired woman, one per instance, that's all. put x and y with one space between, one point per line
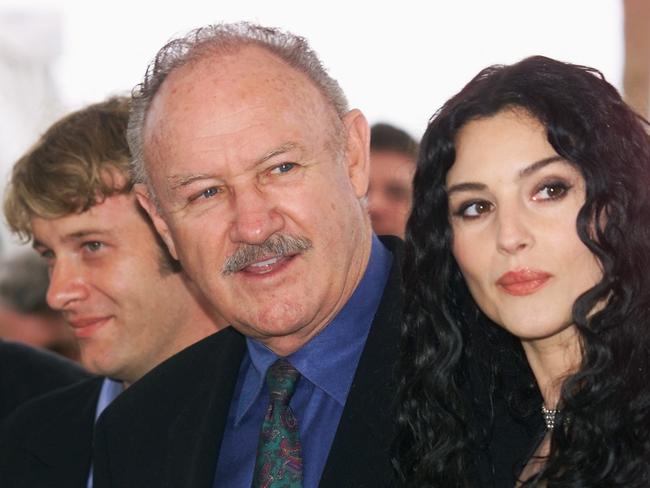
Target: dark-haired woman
530 224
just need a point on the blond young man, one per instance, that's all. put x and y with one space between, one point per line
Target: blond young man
128 303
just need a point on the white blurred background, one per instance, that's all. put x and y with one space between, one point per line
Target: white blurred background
397 61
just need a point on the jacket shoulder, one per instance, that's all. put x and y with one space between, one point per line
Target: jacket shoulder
26 372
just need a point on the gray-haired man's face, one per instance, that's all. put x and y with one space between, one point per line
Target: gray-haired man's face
242 157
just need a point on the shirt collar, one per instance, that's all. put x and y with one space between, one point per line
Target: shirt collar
329 360
110 390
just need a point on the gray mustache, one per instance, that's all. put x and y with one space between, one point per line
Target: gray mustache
276 245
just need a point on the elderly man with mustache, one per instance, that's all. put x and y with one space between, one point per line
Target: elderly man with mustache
254 171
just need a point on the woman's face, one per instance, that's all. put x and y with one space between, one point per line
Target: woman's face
513 207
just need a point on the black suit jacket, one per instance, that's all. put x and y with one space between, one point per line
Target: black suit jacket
166 430
27 372
47 442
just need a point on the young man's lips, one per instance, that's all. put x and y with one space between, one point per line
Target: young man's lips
523 282
85 327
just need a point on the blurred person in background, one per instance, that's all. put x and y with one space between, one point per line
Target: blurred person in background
393 153
25 315
127 301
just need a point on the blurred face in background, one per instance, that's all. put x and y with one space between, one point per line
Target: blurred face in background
390 193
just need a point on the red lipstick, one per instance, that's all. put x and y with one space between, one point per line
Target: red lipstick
523 281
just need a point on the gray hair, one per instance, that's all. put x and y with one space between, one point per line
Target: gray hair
222 39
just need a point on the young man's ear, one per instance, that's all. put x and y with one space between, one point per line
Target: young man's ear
357 151
146 201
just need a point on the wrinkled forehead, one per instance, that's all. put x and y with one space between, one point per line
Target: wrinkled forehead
227 93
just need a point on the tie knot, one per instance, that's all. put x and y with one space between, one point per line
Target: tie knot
281 379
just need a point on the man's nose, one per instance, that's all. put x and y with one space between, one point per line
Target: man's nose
67 285
256 218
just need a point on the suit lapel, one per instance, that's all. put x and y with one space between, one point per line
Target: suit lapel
360 453
196 432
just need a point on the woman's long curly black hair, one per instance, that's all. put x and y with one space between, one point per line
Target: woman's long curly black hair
606 443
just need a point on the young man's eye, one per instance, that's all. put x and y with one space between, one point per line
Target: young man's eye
93 246
46 253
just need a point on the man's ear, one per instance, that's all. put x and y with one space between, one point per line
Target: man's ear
357 151
146 201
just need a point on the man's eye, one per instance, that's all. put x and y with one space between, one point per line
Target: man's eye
46 254
284 168
551 191
209 193
93 246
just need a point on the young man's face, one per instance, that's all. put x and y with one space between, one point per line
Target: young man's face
107 280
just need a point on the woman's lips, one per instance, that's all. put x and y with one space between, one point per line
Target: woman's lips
523 281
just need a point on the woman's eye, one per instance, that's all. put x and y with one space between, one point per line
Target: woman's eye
283 168
551 191
474 209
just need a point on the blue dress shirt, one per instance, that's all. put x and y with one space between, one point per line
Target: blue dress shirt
327 364
109 392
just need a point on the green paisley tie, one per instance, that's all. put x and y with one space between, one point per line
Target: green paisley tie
279 460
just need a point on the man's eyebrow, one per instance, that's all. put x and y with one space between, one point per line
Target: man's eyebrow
528 170
75 236
36 243
178 181
82 234
286 147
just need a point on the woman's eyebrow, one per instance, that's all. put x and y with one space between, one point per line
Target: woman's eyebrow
537 165
466 187
528 170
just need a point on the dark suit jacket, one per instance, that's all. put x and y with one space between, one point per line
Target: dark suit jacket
47 442
27 372
166 430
